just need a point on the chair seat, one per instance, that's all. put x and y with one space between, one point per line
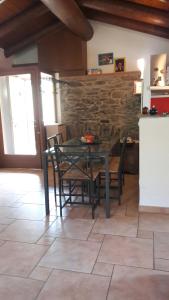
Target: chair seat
79 175
113 165
63 166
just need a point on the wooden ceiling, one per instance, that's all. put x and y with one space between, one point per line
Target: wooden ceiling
23 22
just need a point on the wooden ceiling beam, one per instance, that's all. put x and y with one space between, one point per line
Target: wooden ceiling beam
15 23
163 5
129 10
125 23
8 51
71 15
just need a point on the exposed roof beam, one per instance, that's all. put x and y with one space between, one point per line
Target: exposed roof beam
164 5
128 10
125 23
18 21
32 39
70 14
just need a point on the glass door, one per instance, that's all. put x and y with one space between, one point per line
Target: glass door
19 122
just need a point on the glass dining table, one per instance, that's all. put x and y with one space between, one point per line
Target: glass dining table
101 149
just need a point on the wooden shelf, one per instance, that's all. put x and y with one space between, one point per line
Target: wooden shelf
159 88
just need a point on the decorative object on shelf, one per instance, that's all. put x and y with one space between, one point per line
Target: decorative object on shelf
138 85
145 110
120 64
153 110
105 59
94 71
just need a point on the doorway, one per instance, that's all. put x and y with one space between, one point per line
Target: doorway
21 116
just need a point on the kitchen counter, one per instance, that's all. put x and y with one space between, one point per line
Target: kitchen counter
154 163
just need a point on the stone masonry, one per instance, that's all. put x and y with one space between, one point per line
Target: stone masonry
94 101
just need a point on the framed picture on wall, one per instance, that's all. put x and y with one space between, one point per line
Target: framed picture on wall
105 59
120 64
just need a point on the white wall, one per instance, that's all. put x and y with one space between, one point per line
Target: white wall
125 43
154 161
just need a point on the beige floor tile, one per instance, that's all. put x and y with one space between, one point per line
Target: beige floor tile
145 234
29 212
71 228
74 255
20 258
15 288
64 285
24 231
6 221
103 269
50 218
162 264
6 212
96 237
138 284
46 240
127 251
161 245
154 222
3 227
118 210
117 225
11 200
79 212
33 198
40 273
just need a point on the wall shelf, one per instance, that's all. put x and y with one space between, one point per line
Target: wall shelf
159 88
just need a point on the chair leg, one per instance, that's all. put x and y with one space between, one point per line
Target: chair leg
70 191
119 190
60 196
98 190
54 182
82 188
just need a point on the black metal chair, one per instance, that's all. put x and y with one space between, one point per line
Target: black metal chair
106 131
116 170
80 175
51 141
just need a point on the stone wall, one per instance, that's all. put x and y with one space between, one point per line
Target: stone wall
96 101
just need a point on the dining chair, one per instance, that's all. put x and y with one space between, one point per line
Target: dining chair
116 170
81 176
106 131
51 141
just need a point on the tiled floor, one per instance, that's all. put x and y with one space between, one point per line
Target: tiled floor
77 258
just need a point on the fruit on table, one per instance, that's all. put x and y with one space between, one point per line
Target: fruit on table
89 137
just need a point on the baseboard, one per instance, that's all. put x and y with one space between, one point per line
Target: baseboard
154 209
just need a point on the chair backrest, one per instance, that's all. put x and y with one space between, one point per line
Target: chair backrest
122 155
59 138
51 141
76 158
106 130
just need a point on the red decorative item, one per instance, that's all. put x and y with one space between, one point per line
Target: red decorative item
89 138
161 104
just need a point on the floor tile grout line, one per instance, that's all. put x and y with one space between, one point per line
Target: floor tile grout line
91 229
110 283
153 251
101 244
37 264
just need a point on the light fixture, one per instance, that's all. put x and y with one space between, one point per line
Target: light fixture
1 1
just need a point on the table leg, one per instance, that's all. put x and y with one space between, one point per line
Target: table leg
46 184
107 185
